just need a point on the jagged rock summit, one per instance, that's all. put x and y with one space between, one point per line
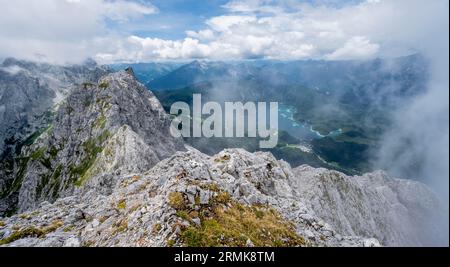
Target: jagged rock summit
107 173
101 130
29 94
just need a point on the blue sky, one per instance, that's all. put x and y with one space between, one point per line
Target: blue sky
174 18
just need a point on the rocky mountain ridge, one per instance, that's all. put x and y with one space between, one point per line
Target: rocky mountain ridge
29 90
107 173
29 95
87 138
192 199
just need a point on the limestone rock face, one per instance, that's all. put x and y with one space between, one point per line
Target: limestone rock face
395 211
30 90
139 212
101 130
29 94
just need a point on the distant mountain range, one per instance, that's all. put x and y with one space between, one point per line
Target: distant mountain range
312 73
148 72
357 98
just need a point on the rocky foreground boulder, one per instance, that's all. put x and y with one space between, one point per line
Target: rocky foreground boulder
129 187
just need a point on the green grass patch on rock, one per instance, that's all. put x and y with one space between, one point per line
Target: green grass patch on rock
104 85
176 200
226 223
92 147
31 231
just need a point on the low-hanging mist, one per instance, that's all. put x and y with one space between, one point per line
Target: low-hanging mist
417 145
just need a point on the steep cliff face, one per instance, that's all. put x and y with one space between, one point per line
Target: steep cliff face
29 94
108 173
395 211
30 90
100 130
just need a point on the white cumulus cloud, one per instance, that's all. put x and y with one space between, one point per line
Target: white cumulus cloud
71 30
358 47
62 31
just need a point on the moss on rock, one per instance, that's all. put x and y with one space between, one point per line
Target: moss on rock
225 222
176 200
31 231
92 148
